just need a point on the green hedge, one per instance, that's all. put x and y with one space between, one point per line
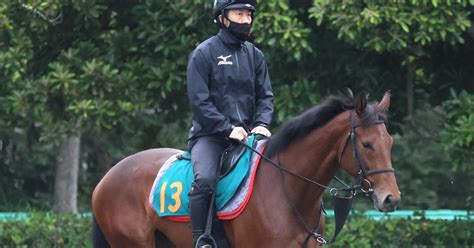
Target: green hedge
42 230
397 232
46 230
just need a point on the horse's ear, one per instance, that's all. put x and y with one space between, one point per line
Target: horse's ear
349 93
384 103
361 104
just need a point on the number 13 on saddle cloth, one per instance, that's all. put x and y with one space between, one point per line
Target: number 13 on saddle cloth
169 193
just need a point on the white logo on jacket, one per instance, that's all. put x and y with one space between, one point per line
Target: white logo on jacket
224 61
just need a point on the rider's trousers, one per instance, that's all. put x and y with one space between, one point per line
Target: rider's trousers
205 156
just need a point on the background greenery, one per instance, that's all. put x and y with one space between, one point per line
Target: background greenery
114 73
363 232
42 230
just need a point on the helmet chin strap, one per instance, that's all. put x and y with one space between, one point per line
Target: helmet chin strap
221 19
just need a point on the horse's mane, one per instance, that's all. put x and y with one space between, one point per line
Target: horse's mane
316 117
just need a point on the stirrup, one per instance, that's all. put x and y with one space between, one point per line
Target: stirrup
208 238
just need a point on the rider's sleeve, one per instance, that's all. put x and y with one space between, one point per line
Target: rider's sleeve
204 110
263 92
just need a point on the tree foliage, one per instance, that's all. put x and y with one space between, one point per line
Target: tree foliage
458 132
405 28
424 170
395 25
115 73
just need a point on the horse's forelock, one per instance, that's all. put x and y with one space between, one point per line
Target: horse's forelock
370 115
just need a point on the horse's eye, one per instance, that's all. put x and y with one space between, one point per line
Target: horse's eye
367 145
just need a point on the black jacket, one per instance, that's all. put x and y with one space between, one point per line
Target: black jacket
228 85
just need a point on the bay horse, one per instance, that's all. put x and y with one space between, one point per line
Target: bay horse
342 132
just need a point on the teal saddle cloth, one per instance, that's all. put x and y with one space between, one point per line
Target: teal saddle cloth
170 193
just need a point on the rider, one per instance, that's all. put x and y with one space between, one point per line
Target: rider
230 94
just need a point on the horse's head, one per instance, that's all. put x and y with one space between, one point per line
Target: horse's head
366 153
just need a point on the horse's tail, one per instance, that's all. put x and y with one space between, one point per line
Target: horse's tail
99 240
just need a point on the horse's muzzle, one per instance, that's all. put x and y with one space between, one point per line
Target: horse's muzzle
390 203
387 203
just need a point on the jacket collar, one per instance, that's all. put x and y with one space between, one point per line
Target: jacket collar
228 39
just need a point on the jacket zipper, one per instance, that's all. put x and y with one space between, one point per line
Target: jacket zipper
238 76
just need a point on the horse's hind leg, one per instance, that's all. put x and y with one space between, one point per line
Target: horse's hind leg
132 237
120 200
161 241
98 237
123 219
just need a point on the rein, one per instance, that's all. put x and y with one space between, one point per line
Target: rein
342 204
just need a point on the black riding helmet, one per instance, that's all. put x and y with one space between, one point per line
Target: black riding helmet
221 5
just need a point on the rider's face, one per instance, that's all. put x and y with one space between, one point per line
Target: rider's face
238 16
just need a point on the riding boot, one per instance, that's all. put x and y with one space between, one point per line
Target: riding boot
199 202
218 232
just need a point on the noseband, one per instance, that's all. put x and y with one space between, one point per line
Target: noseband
362 171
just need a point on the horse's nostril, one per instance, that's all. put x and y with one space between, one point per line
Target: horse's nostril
388 201
391 202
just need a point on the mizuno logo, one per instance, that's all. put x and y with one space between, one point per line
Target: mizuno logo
223 60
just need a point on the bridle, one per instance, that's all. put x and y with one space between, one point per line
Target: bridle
362 172
362 180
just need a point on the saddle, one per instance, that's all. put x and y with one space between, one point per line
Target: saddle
169 195
231 155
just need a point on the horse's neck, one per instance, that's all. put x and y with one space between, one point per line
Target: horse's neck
315 157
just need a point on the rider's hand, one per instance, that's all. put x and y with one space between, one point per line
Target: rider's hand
238 133
261 130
